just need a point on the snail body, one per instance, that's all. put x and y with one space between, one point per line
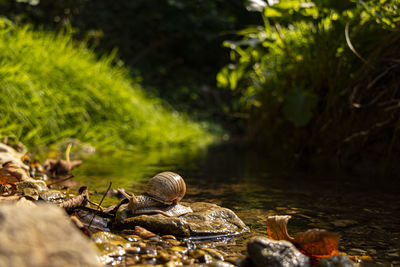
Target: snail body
162 195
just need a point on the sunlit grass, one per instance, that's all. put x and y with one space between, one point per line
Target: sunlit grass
52 88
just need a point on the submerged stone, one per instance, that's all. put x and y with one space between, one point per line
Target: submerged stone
206 220
38 185
335 261
266 252
52 195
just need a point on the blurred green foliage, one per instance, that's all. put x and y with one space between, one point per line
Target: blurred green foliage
291 75
174 45
54 88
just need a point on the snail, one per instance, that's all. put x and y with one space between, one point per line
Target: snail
162 195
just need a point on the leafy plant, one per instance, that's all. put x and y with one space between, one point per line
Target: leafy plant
53 88
291 75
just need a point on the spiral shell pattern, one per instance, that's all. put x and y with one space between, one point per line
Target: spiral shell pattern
166 187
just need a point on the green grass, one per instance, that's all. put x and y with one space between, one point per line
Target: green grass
53 88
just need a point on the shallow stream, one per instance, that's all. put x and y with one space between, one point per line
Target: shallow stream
365 212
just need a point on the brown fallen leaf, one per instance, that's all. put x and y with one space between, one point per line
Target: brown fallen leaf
11 173
80 200
11 169
314 242
318 242
56 168
143 233
277 227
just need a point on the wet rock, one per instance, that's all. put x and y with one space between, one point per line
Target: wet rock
52 195
38 185
206 220
335 261
344 223
266 252
214 253
31 193
107 237
42 235
96 222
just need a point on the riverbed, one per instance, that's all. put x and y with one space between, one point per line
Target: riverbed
364 211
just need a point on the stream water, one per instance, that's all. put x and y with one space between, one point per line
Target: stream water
365 212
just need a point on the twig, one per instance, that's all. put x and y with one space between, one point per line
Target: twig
60 181
101 201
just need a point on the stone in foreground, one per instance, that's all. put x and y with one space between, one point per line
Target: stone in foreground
42 235
206 220
266 252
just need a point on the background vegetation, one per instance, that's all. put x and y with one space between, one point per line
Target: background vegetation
320 78
53 88
316 78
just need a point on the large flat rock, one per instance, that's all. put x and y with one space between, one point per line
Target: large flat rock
42 235
206 220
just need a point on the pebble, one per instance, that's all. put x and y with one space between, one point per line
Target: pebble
179 249
335 261
165 237
133 250
133 238
214 253
357 251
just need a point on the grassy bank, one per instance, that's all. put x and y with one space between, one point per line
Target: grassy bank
52 88
319 79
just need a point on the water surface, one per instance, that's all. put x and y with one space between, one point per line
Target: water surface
364 211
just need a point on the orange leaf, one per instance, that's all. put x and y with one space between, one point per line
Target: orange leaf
277 227
317 242
8 179
314 242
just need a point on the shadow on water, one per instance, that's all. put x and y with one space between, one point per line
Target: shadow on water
365 211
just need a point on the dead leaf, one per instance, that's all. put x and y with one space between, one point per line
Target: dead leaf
80 200
314 242
143 233
56 168
12 171
318 242
277 227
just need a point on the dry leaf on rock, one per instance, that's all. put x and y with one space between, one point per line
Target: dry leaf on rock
314 242
56 168
78 201
13 172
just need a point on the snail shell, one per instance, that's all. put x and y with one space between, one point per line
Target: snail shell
163 193
166 187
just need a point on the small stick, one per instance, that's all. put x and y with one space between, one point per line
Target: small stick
101 201
60 181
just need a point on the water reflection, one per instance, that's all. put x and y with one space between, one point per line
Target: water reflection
364 211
